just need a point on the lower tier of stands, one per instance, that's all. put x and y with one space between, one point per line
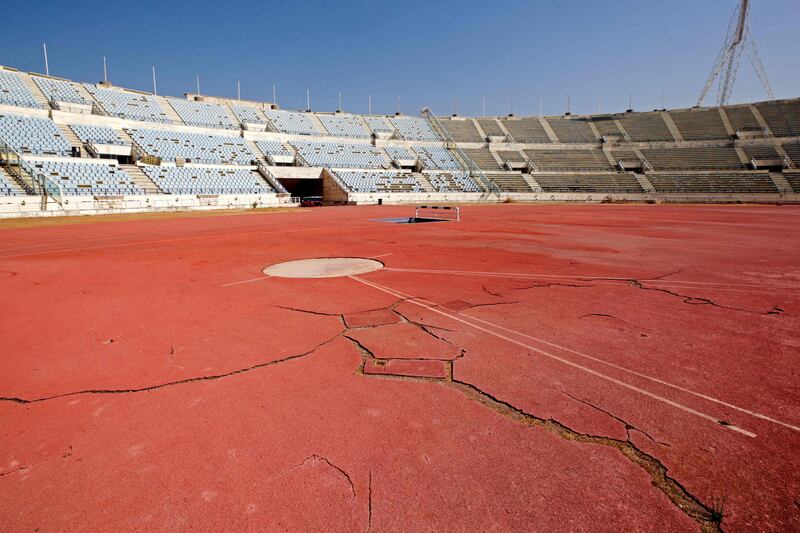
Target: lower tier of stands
452 182
793 178
207 180
715 157
6 187
712 182
509 181
611 183
79 178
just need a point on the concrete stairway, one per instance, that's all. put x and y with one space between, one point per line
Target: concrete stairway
256 150
645 183
37 93
532 183
71 137
424 183
16 187
780 183
231 116
141 180
168 110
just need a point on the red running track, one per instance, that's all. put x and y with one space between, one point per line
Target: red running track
564 367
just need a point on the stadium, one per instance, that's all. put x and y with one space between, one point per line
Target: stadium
224 313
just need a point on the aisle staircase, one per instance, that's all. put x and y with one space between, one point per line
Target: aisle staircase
141 180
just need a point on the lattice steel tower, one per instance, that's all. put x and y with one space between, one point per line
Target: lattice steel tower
737 41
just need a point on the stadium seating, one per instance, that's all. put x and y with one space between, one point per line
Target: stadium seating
606 126
461 130
246 113
97 134
201 113
483 158
128 105
490 127
526 130
292 122
645 127
198 148
383 181
77 178
344 125
509 181
793 150
569 159
379 124
719 182
793 177
610 183
761 152
341 155
33 135
742 118
699 124
511 156
414 129
14 92
452 182
204 180
574 130
399 152
692 158
274 148
436 158
6 188
60 90
783 117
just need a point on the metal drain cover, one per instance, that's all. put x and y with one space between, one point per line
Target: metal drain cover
326 267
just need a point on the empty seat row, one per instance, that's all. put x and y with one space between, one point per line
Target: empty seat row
274 148
732 182
693 158
457 181
436 158
196 147
292 122
80 178
205 180
201 113
344 125
620 182
14 92
33 135
414 129
699 124
97 134
379 181
60 90
124 104
246 113
341 155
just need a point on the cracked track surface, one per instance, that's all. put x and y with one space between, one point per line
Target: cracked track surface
136 384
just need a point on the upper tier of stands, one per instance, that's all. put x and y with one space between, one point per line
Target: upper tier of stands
742 118
414 128
204 180
606 126
593 159
14 92
344 125
526 130
699 124
573 130
82 178
490 127
379 124
793 150
341 155
198 148
399 152
292 122
273 148
461 130
128 105
60 90
33 135
246 113
201 113
645 127
783 117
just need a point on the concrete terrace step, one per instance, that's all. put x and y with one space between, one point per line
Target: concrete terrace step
37 93
141 180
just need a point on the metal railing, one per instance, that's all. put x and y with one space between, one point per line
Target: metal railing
463 159
28 176
270 177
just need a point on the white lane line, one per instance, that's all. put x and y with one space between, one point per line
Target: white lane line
422 303
589 278
382 255
244 281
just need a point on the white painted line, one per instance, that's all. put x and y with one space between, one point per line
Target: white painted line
382 255
430 306
244 281
589 278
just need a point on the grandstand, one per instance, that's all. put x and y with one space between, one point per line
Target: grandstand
195 147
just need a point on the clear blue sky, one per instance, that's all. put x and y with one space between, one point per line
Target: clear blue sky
429 53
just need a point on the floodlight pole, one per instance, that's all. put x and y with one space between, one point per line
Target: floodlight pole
238 90
484 106
274 95
46 65
308 100
155 87
105 71
369 104
197 79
